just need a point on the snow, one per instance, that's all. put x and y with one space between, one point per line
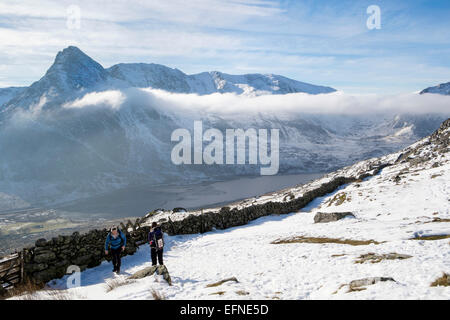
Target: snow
443 88
387 211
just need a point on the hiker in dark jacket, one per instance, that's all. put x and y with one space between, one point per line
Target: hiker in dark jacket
156 241
117 241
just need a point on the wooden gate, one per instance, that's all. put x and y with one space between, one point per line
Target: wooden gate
11 270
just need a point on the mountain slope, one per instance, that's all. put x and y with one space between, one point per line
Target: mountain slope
443 88
6 94
402 219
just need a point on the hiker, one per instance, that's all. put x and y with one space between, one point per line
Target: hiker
117 241
156 241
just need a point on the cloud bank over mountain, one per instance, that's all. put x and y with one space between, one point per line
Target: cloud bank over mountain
333 103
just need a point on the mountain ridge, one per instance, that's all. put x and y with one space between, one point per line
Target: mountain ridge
443 88
74 73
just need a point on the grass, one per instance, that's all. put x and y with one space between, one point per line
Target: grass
339 199
218 283
432 237
437 219
376 258
219 293
115 283
302 239
443 281
27 288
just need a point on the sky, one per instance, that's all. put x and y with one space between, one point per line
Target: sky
320 42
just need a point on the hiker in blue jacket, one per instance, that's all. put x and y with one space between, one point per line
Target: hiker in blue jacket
117 241
156 241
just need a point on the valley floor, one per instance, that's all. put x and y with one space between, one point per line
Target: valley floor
389 210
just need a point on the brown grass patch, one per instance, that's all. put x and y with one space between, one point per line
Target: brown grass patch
115 283
219 293
339 199
443 281
27 288
319 240
435 237
218 283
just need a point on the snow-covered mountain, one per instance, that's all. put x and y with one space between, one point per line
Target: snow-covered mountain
443 88
6 94
73 74
55 149
395 246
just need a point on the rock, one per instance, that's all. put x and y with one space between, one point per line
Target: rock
46 275
144 273
368 281
179 209
82 260
322 217
44 257
41 242
30 268
160 270
375 258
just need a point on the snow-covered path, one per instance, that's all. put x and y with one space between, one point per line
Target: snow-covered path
386 211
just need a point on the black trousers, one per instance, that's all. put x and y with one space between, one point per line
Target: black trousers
156 254
115 255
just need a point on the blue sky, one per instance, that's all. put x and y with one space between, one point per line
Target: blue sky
321 42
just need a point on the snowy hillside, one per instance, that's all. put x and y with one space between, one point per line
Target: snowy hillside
443 88
398 240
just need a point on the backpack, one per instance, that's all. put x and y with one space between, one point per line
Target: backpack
158 239
120 236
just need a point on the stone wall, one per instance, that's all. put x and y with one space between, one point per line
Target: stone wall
227 218
49 260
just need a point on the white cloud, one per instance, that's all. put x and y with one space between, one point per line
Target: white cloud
110 98
278 105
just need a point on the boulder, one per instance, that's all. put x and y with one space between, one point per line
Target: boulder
368 281
322 217
160 270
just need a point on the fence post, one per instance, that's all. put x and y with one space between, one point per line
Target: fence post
22 262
